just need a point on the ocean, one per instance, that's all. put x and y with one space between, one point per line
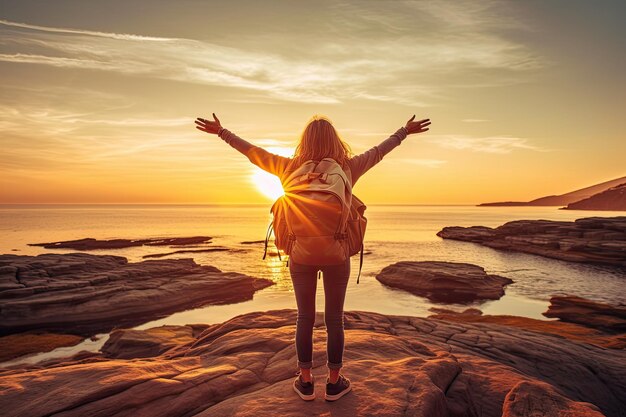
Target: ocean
394 233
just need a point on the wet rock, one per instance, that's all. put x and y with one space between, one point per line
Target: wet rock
599 240
86 294
92 244
446 282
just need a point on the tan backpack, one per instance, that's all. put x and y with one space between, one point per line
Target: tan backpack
318 221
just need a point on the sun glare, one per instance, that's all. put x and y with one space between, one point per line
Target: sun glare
269 185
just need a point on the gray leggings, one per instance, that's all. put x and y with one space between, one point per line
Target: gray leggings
304 278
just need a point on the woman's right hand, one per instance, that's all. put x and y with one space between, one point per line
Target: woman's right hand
417 127
208 125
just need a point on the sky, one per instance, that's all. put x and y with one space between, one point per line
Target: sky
99 98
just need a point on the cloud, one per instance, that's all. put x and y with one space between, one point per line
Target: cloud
490 144
376 51
122 36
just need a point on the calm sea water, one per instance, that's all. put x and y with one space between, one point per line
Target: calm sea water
395 233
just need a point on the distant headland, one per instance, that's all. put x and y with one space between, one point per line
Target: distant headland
609 195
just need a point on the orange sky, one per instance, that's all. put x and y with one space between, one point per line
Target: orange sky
98 102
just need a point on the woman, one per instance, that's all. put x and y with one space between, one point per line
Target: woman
319 140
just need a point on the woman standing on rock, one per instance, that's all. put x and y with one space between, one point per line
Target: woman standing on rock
318 141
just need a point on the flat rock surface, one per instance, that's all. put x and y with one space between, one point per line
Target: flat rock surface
86 294
90 243
589 313
447 282
398 365
599 240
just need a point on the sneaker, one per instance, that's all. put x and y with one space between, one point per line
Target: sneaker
338 389
306 390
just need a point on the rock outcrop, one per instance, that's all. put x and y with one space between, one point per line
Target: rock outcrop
90 243
589 313
446 282
572 331
85 294
398 365
600 240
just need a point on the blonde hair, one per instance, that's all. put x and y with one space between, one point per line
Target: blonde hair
320 140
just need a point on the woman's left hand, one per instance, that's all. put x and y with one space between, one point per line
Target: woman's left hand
417 127
208 125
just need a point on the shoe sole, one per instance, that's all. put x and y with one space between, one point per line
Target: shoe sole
304 396
337 396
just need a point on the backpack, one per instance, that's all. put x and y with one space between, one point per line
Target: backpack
318 221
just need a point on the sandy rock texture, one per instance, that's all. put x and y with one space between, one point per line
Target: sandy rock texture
399 366
85 294
599 240
447 282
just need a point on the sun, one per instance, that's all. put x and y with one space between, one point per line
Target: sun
269 185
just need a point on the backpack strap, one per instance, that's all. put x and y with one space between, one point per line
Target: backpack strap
267 238
360 264
360 258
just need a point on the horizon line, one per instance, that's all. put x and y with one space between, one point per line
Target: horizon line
210 204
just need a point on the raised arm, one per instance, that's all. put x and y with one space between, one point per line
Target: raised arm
267 161
361 163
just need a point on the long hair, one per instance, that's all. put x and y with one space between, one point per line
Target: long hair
320 140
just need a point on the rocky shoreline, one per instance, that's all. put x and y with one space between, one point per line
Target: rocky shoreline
399 365
599 240
448 364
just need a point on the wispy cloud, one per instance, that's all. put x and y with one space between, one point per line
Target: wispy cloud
372 51
122 36
490 144
428 163
474 120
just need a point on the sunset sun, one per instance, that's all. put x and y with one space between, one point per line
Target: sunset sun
269 185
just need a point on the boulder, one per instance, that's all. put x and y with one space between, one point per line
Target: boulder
446 282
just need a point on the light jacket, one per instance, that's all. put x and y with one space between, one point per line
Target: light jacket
276 164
